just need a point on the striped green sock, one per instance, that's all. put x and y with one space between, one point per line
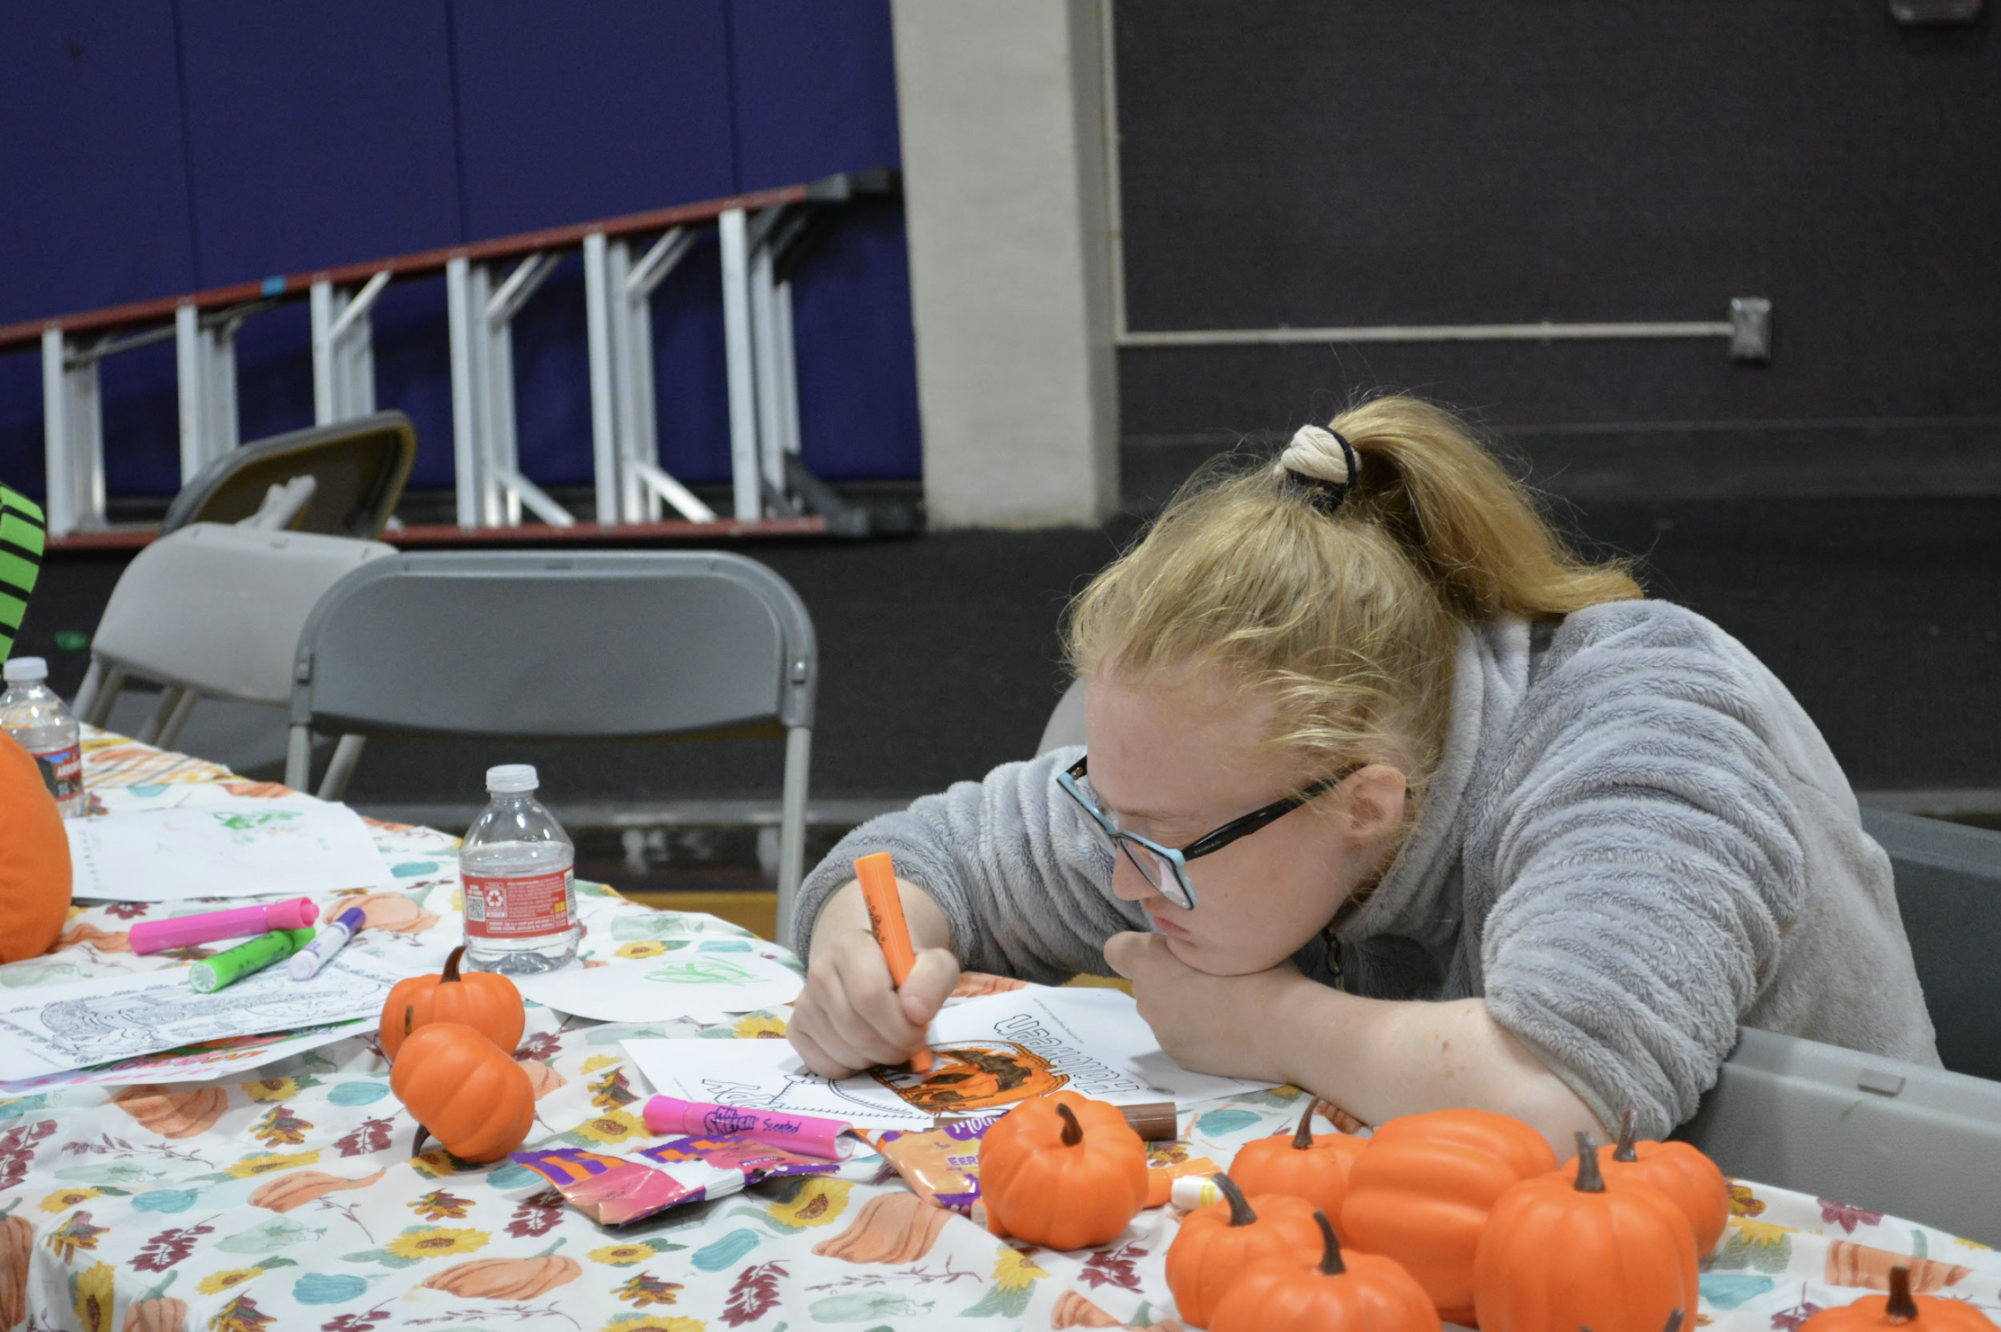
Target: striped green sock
21 537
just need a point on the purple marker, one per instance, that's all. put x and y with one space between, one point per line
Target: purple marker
333 937
155 936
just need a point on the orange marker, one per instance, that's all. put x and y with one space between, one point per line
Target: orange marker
886 922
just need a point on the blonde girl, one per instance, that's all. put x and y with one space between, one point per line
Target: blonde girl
1389 795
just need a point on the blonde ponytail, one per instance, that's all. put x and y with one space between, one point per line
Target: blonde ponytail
1471 526
1339 588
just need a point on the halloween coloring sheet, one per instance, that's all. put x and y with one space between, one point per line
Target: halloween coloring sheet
987 1054
62 1027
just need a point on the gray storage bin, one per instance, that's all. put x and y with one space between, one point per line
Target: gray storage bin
1920 1143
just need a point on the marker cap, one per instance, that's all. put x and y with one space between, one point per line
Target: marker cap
294 914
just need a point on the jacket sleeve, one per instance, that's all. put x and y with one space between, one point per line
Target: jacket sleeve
1023 880
1647 861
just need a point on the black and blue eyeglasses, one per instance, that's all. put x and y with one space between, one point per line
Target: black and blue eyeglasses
1165 867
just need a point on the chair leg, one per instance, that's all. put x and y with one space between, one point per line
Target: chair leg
86 693
792 827
346 754
183 709
299 757
163 712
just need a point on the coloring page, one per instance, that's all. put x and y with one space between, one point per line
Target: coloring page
987 1054
239 847
204 1061
61 1027
658 989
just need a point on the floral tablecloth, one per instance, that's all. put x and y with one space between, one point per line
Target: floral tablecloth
285 1196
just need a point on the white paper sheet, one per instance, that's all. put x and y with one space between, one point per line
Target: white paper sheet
233 1057
989 1053
97 1021
657 989
239 847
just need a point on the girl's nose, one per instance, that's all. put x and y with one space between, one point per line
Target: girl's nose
1128 883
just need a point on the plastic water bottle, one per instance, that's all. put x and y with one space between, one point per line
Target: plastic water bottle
33 714
520 885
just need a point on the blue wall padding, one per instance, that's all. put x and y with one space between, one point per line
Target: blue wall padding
193 143
809 94
567 114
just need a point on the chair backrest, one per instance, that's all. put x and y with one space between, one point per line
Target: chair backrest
1949 894
358 467
218 608
592 645
1066 723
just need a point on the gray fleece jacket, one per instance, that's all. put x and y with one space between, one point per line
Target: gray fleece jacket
1636 841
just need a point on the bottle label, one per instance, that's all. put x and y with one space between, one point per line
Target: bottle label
62 773
503 907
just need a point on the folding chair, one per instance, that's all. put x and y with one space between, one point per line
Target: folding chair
212 610
358 469
646 645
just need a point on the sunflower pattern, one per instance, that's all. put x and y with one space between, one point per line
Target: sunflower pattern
291 1199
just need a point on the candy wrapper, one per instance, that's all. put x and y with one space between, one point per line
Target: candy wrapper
616 1190
735 1151
940 1164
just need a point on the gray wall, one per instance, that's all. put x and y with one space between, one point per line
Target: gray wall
1412 161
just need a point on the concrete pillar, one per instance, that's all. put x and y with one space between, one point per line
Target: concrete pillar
1004 159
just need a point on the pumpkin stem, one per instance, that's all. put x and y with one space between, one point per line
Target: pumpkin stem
1302 1141
1629 1129
1073 1132
1676 1316
1900 1307
409 1018
452 965
1590 1179
159 1290
1240 1210
417 1144
561 1240
1330 1247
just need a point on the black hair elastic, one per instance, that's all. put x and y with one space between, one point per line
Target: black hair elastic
1325 495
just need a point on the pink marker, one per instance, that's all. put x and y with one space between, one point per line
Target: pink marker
807 1134
154 936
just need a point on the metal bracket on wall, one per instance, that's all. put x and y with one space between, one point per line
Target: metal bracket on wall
1750 328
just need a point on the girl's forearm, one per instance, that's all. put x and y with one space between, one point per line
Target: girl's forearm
1378 1059
846 910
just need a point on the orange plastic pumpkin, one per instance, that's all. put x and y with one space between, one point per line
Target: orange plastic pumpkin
1063 1171
464 1090
1563 1252
483 1000
1356 1292
34 858
1421 1189
1689 1179
1302 1165
17 1251
1901 1309
1217 1242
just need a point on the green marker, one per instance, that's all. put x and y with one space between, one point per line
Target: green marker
247 958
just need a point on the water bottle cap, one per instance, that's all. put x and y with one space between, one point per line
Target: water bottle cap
23 669
511 777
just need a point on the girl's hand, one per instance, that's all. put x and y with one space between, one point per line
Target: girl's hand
851 1016
1231 1026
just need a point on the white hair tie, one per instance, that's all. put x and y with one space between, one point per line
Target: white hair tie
1324 461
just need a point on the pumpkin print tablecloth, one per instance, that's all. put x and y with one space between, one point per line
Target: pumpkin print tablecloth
285 1196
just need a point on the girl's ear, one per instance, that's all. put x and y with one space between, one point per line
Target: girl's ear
1372 801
